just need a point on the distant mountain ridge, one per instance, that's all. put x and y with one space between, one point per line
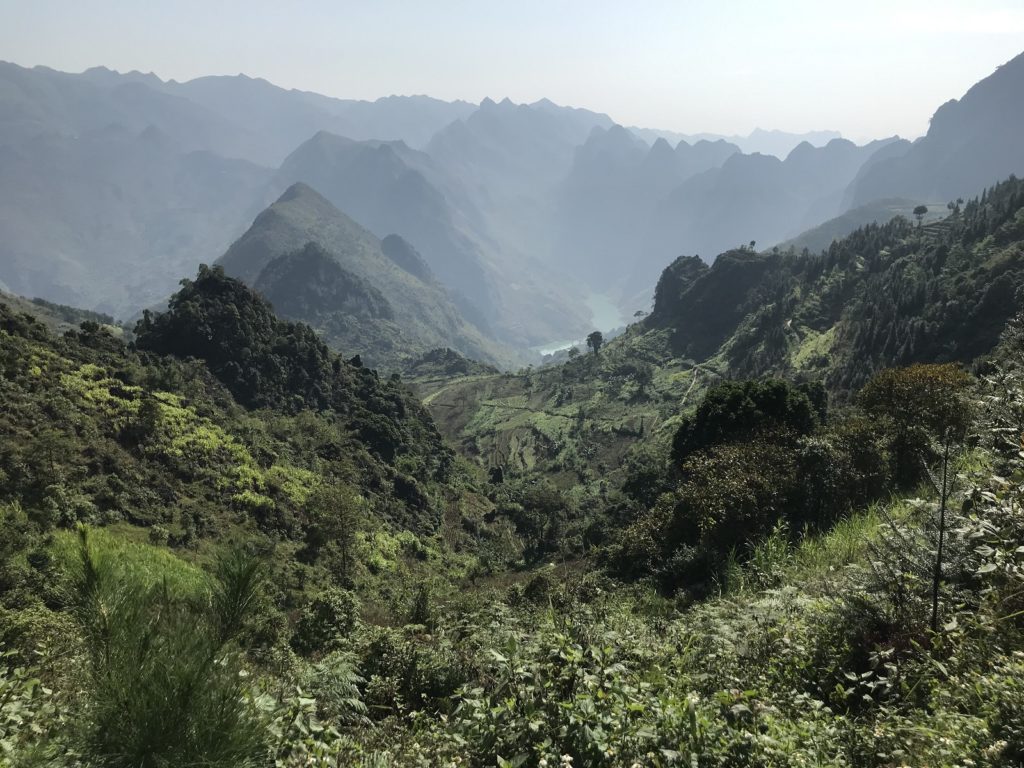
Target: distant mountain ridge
117 185
111 219
761 141
607 199
625 209
970 143
268 122
387 188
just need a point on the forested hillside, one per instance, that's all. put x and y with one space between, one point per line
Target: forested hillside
886 295
234 547
706 544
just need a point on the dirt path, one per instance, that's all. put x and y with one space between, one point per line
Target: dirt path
452 383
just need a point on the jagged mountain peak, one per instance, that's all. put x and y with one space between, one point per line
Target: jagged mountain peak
661 147
419 312
300 192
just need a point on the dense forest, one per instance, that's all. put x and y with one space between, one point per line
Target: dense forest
777 522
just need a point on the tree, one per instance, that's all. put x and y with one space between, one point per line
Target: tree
144 425
644 377
329 618
733 494
164 684
333 517
738 410
595 340
926 403
537 512
920 403
919 213
573 352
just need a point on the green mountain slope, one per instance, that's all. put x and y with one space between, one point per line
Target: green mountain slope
142 429
819 238
352 640
890 294
886 295
401 314
59 318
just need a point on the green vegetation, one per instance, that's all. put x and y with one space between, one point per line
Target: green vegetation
226 545
888 295
158 693
819 238
443 364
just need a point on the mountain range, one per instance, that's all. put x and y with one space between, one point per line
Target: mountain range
525 216
759 140
319 491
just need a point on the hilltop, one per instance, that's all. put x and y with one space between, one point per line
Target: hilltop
319 266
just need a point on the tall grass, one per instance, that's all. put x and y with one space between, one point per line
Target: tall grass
129 561
846 543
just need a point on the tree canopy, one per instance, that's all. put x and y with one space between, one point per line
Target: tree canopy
737 410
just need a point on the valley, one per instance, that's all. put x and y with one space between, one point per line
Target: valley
605 315
428 432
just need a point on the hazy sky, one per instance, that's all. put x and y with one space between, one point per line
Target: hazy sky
867 68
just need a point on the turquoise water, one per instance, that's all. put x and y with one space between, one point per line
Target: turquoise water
605 316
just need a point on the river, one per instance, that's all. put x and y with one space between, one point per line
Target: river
605 316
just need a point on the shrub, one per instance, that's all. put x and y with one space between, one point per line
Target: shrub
920 403
733 494
30 726
327 621
740 409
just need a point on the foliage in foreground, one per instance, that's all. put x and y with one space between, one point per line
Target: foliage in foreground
810 650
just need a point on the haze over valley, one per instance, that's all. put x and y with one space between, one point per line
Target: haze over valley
647 392
117 185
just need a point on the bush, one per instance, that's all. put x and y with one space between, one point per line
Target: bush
409 671
30 726
734 494
739 409
920 404
327 621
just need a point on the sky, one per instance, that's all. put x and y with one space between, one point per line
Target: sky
867 69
